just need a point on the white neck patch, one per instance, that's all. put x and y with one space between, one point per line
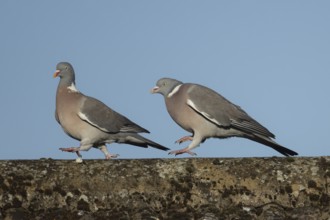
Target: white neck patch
72 88
175 90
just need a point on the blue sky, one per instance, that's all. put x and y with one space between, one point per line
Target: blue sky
270 57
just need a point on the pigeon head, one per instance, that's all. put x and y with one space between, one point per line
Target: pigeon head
165 86
65 71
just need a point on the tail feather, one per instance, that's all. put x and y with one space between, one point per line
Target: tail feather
140 141
270 143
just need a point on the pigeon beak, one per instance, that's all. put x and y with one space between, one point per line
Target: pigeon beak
154 90
56 73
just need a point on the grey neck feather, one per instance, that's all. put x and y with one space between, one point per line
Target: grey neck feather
67 79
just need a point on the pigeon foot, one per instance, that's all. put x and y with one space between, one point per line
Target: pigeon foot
111 156
182 151
70 149
183 139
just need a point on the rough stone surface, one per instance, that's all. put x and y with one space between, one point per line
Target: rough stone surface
194 188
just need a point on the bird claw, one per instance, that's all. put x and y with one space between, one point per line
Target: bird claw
111 156
183 139
73 150
69 149
79 160
182 151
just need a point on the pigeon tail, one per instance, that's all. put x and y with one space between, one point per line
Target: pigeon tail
270 143
140 141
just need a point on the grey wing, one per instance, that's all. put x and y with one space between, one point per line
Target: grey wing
104 118
221 111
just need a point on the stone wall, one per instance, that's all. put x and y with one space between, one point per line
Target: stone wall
194 188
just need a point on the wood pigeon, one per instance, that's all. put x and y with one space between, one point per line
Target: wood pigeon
206 114
90 121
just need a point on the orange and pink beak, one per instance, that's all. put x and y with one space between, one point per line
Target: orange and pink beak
154 90
57 72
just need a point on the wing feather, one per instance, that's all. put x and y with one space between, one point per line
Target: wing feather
221 111
104 118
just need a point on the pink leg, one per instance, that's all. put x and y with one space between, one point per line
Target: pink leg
72 150
182 151
183 139
108 156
